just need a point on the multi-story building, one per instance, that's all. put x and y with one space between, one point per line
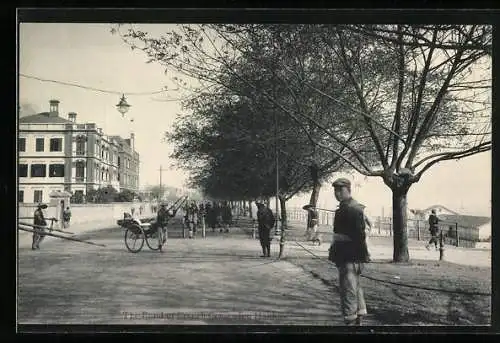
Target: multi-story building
59 154
128 163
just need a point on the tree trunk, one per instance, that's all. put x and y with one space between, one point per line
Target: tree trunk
250 209
284 225
313 201
399 224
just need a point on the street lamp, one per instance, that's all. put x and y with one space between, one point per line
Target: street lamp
123 106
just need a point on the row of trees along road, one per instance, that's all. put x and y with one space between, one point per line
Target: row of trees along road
388 101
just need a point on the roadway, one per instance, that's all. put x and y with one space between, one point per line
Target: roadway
217 280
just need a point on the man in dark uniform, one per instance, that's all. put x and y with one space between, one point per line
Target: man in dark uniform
433 228
265 218
348 253
38 219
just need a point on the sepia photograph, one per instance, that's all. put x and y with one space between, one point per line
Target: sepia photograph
254 174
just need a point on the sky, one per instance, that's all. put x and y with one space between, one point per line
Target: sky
89 55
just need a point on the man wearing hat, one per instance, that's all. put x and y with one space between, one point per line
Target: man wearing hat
265 218
348 253
312 224
433 229
38 219
162 219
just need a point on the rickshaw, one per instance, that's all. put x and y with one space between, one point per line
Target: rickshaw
137 231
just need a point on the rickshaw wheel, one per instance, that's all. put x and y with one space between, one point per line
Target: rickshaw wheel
152 235
134 238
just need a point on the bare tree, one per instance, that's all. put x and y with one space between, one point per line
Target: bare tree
411 96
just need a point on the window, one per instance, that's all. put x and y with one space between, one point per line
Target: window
37 196
22 144
119 161
56 144
20 196
39 144
23 170
80 147
38 170
80 171
118 177
56 170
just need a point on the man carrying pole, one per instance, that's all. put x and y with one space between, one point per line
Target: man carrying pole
38 219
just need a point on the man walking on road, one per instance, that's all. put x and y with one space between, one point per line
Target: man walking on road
433 228
66 217
348 252
265 218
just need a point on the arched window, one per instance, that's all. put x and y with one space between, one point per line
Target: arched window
80 144
80 171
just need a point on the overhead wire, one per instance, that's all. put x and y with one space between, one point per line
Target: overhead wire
87 87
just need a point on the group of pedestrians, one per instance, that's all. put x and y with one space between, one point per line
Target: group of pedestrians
218 215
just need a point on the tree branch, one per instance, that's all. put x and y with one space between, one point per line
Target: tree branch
397 114
486 146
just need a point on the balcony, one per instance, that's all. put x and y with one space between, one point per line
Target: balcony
79 153
79 179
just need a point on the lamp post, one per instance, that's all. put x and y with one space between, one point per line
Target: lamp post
123 106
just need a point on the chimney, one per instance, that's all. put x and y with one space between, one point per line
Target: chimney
132 139
54 108
72 117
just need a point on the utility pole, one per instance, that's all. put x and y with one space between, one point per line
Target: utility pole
161 170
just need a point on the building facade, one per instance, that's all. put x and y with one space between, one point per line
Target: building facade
57 154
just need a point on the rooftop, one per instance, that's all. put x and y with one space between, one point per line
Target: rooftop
43 118
464 220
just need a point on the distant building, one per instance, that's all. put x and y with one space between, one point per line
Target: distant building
57 154
472 228
425 213
128 163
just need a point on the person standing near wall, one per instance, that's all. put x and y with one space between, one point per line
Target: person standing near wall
66 217
348 252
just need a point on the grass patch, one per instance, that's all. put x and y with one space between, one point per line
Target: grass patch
390 304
